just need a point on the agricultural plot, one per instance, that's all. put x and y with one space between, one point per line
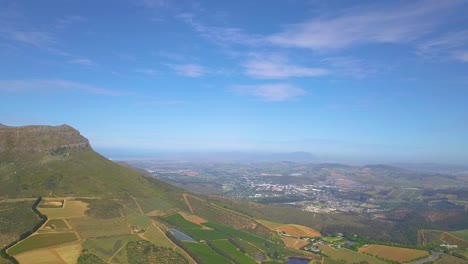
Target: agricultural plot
269 224
49 203
298 230
152 204
70 209
55 225
105 248
157 237
44 256
192 218
203 234
232 251
42 241
93 228
453 240
449 259
136 219
204 254
463 234
294 242
348 255
248 248
180 222
69 253
232 232
394 253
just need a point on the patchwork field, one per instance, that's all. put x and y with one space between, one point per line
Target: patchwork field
106 247
157 237
205 254
235 254
349 255
294 242
192 218
269 224
394 253
463 234
298 230
44 256
42 241
71 208
93 228
453 240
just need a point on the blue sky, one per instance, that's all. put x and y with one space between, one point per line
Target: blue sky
378 81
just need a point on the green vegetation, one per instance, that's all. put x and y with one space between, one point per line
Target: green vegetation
203 254
16 218
463 234
92 228
155 236
230 251
103 208
246 247
180 222
42 241
140 220
203 234
232 232
88 258
144 252
106 247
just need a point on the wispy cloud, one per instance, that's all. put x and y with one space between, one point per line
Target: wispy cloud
278 67
277 92
221 35
82 61
147 71
452 45
189 70
55 86
39 39
376 24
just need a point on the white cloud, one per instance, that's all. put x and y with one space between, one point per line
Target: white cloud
38 39
189 70
55 86
382 24
278 67
278 92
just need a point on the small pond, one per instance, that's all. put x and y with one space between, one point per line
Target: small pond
295 260
181 236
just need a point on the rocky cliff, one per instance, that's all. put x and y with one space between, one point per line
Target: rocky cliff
41 139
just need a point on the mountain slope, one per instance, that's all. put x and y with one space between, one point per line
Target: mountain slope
58 161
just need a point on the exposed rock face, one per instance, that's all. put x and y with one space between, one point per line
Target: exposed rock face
41 139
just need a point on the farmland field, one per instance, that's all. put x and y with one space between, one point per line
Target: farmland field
394 253
136 219
229 249
236 233
157 237
202 234
44 256
205 254
269 224
463 234
179 221
91 228
42 241
248 248
70 208
106 247
449 259
294 242
193 218
298 230
55 224
69 253
453 240
349 255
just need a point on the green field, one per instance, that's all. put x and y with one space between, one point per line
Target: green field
205 254
229 249
348 255
156 237
248 248
136 219
180 222
92 228
258 241
463 234
106 247
203 234
42 241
